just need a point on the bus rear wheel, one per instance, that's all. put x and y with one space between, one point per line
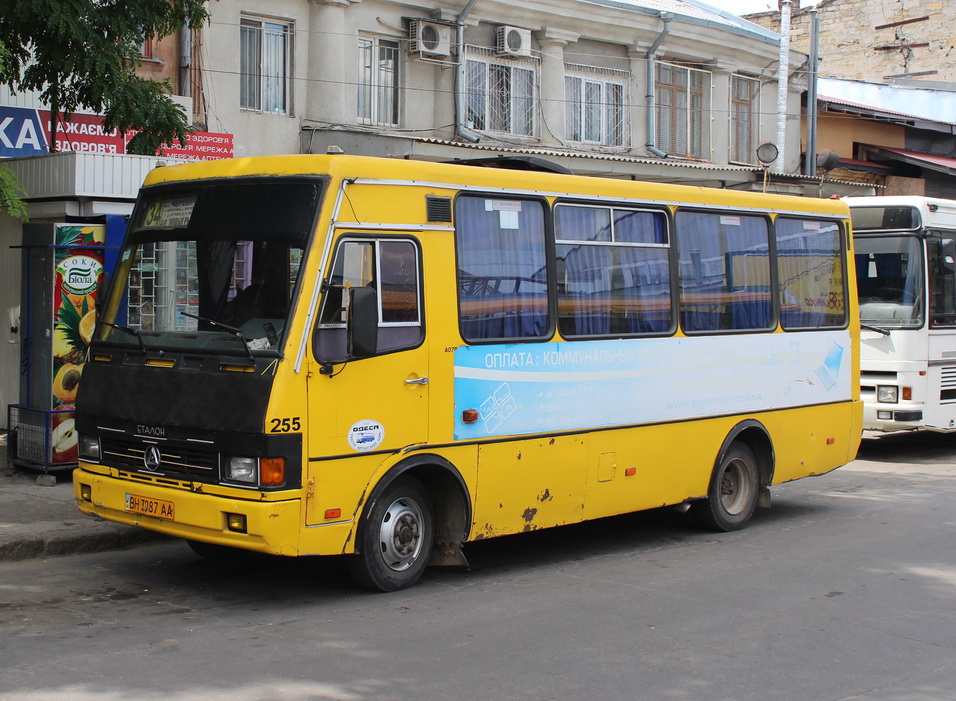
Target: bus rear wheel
732 495
395 539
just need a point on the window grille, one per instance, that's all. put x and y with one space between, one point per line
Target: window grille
163 283
500 93
378 81
596 100
265 66
683 110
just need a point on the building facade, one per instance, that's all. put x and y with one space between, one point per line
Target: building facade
658 89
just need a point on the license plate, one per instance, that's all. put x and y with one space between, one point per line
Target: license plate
157 508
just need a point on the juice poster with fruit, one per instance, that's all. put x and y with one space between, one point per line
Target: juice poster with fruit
78 262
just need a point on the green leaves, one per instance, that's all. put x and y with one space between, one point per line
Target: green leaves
11 195
84 54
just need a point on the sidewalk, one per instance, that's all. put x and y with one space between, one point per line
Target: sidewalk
43 521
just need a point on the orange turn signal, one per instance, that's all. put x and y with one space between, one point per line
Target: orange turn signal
272 471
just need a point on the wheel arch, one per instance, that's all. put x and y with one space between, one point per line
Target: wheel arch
755 436
451 501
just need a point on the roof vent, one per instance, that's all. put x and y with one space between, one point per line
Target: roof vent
438 208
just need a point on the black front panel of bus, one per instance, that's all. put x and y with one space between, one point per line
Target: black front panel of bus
213 401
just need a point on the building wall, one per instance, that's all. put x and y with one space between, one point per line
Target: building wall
9 315
839 132
325 68
877 39
256 133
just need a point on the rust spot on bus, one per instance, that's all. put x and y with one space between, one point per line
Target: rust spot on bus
546 495
529 514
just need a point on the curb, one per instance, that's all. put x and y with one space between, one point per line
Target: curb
57 538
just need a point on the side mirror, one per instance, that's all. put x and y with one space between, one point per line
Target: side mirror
362 322
102 291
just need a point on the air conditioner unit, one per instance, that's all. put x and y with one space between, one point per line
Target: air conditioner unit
513 41
429 38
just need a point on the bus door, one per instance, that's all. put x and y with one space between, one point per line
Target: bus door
363 407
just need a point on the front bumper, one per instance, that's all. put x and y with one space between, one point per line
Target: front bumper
272 526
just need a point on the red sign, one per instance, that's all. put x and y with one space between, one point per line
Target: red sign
201 146
84 133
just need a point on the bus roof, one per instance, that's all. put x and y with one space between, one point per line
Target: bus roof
456 175
934 211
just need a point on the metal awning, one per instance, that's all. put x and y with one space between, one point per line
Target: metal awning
940 164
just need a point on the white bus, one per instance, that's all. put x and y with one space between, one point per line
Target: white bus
906 277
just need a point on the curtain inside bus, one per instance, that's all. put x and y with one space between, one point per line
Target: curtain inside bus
502 268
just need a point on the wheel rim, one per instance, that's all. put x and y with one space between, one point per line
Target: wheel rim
735 487
400 534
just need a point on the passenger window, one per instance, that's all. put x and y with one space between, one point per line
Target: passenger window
724 272
502 269
810 273
613 275
391 267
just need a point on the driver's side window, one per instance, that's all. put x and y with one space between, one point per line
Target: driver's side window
392 267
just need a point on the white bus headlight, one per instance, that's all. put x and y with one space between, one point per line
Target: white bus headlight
887 394
89 448
242 470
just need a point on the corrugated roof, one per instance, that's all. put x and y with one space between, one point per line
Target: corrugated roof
696 12
927 160
924 104
859 106
594 155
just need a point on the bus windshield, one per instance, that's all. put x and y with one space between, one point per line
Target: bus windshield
890 280
211 269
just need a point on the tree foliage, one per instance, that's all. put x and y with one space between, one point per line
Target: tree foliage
11 195
83 54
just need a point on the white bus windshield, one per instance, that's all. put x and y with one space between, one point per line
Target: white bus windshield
890 280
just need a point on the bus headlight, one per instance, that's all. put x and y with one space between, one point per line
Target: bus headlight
245 470
886 394
89 448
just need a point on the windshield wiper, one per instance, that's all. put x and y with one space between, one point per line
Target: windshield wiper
128 330
875 328
229 329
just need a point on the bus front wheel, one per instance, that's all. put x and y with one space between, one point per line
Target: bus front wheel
395 538
732 495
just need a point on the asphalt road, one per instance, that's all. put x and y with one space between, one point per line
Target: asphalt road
845 589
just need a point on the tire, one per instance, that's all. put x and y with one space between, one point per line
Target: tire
395 538
732 495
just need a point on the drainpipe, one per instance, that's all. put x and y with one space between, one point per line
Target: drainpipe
461 130
782 79
651 92
810 159
185 62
